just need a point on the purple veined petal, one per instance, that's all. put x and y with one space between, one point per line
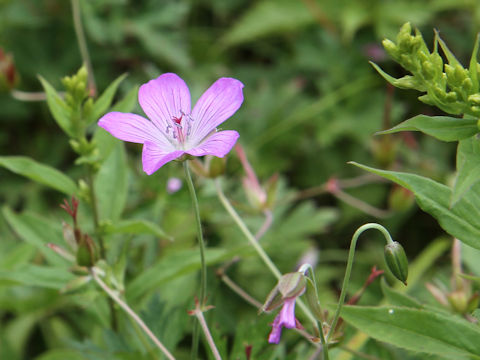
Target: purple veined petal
131 127
218 144
164 98
154 157
276 333
217 104
287 313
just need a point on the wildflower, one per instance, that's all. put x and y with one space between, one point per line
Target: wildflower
289 287
174 129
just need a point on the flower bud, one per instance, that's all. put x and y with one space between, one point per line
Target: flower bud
396 260
292 284
86 254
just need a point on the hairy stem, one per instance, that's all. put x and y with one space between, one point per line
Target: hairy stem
201 243
208 336
348 271
131 313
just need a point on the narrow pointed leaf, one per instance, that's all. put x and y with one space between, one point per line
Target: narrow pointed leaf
443 128
473 65
137 226
468 168
395 297
58 108
111 184
127 104
406 82
105 100
419 330
452 60
40 173
460 221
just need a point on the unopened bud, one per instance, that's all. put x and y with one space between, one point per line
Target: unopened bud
292 284
474 98
389 47
396 260
86 254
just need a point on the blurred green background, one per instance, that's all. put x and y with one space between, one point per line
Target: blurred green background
312 103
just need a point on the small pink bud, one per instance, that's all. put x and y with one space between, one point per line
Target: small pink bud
173 185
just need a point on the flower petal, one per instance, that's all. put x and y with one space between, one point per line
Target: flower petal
287 313
154 157
276 333
130 127
215 106
218 144
164 98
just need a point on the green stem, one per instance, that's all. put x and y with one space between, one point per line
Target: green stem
96 217
82 44
348 271
256 245
201 243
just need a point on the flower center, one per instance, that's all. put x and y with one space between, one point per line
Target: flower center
180 126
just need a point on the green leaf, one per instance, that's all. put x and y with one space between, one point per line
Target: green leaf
468 168
40 173
38 232
452 60
127 104
61 354
406 82
111 184
461 220
444 128
269 17
473 66
35 275
59 109
397 298
173 265
417 330
105 100
137 226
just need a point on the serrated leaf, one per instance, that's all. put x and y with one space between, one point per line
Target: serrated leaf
105 100
468 168
58 108
417 330
39 173
111 184
269 17
460 221
137 226
444 128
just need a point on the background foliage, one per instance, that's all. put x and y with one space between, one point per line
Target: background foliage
312 103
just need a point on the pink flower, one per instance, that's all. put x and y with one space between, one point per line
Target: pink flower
174 129
285 318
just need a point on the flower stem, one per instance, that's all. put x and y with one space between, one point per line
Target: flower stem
82 44
203 271
208 336
131 313
348 271
256 245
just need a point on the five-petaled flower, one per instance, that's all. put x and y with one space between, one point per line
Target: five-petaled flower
174 129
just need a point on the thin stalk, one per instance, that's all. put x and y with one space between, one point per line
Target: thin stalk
256 245
240 292
201 243
348 271
131 313
266 225
208 336
82 44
